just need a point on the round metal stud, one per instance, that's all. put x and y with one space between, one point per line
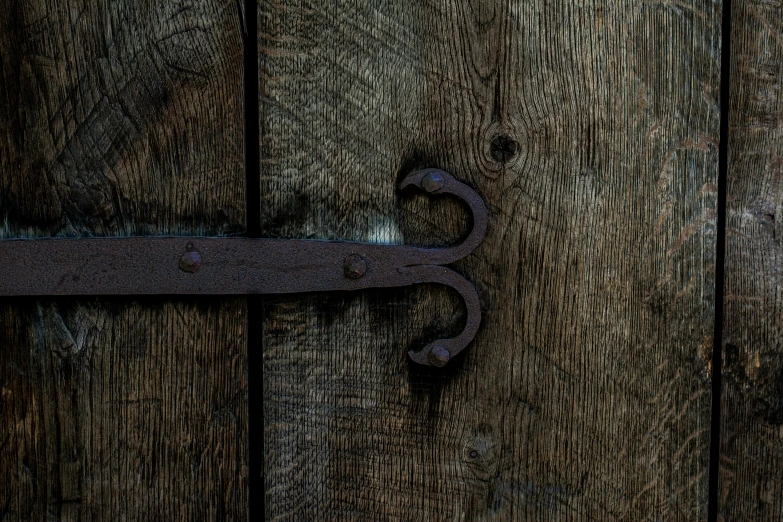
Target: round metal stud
190 261
439 356
354 266
432 181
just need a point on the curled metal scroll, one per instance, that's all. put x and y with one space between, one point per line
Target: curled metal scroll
440 352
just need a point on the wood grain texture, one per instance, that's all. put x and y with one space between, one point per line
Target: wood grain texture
591 129
116 410
751 478
121 118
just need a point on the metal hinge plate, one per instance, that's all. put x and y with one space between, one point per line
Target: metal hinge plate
231 266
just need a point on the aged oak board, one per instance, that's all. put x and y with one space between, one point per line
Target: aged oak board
122 118
591 130
751 478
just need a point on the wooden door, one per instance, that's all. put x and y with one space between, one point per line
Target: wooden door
593 131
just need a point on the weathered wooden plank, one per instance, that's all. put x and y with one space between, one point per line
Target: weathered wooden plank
591 130
117 410
751 478
121 118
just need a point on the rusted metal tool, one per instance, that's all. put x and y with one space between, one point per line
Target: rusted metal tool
231 266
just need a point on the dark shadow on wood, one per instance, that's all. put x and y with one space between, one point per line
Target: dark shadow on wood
254 303
720 253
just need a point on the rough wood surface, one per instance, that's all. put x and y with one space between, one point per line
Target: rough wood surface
751 479
121 118
591 130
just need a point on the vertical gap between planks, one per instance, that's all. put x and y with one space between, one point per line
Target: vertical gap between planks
255 392
720 252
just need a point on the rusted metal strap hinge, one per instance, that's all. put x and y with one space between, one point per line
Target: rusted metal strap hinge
231 266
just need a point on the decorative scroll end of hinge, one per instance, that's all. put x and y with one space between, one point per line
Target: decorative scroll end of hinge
438 182
439 353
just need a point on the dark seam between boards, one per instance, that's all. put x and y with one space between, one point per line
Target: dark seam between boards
720 252
255 391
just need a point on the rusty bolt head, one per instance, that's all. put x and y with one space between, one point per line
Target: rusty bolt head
190 261
432 181
354 266
439 356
